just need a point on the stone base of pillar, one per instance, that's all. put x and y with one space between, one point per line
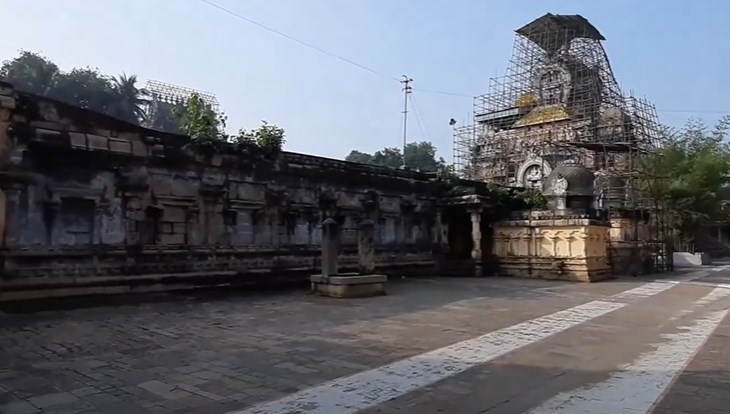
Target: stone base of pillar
349 285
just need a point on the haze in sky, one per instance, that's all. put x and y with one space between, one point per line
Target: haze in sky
674 52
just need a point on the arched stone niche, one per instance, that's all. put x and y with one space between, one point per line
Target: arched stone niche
532 172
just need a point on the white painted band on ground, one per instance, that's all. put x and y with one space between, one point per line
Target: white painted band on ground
369 388
636 388
714 295
695 283
644 291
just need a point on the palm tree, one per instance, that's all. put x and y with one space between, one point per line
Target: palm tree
129 101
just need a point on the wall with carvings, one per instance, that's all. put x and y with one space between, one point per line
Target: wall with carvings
524 156
571 248
94 205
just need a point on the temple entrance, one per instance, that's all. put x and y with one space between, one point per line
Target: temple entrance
460 240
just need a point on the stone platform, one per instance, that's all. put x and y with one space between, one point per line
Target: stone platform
349 285
547 246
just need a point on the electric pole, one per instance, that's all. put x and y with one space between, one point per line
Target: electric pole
407 88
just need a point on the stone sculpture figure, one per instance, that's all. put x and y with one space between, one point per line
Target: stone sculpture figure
560 187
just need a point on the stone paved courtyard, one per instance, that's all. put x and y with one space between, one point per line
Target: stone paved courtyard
433 345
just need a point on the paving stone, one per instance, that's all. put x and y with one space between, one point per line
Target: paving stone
122 407
18 407
218 354
49 400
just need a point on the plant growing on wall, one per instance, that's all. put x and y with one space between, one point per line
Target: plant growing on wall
270 138
511 199
206 129
244 142
267 141
533 199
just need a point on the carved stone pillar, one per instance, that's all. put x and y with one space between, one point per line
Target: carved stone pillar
476 236
366 247
12 216
437 231
442 232
330 247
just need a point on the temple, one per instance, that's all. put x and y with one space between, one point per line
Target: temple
560 103
90 204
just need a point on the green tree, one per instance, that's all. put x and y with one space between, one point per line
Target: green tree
30 72
388 157
200 123
422 156
129 100
360 157
688 175
419 156
207 131
270 138
83 87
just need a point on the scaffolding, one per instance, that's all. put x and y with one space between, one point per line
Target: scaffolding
560 101
165 98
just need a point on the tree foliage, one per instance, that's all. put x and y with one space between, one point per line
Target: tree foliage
207 132
199 122
270 138
31 72
419 156
688 175
84 87
131 99
120 97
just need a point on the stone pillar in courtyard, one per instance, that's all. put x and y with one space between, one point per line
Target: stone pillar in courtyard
476 237
330 247
442 232
366 247
362 283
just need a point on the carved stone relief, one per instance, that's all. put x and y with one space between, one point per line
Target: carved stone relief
532 173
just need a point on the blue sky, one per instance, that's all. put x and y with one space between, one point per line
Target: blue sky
674 52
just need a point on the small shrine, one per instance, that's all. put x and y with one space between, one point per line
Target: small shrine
569 241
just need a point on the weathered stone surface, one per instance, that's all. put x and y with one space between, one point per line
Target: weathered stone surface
564 249
330 247
366 247
95 205
349 285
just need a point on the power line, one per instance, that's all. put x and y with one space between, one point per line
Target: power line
373 71
293 39
419 119
462 95
323 51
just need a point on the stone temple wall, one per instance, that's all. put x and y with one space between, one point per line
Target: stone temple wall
90 205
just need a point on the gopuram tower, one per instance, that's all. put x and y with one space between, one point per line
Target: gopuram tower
558 101
559 104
